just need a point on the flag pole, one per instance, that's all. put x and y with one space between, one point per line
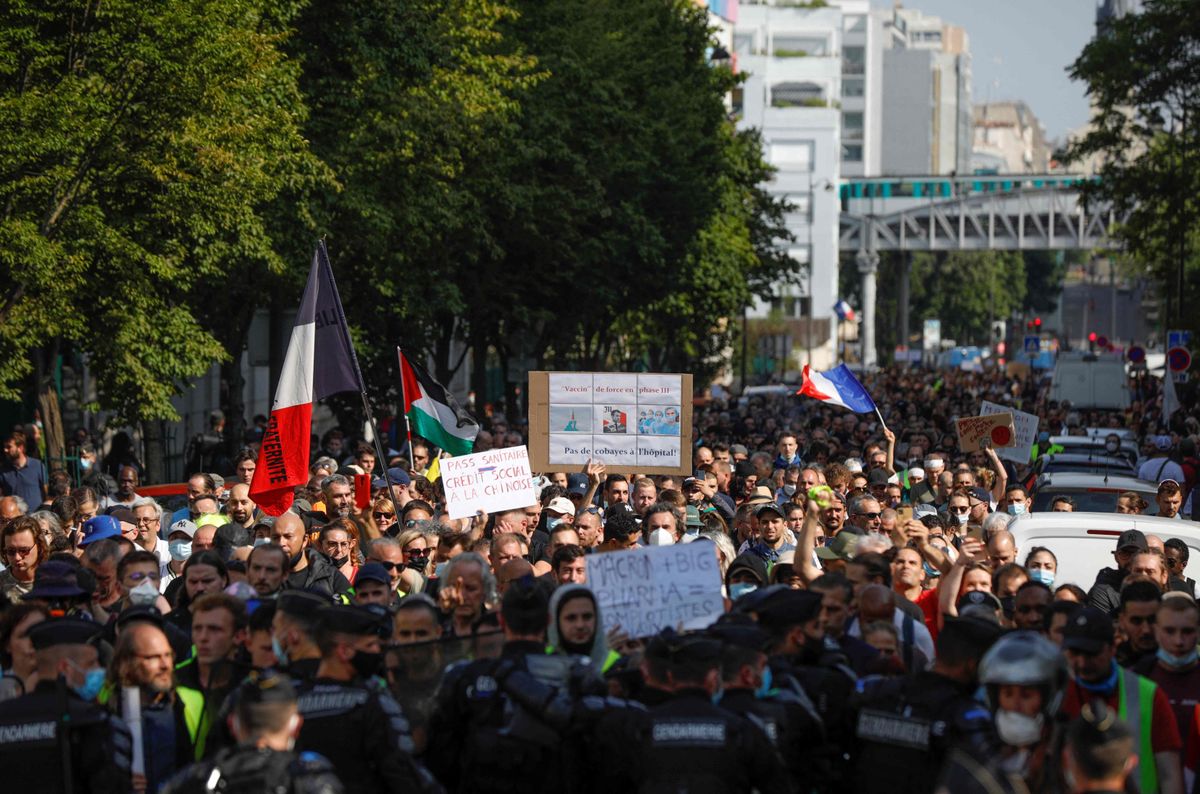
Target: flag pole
882 423
362 385
404 404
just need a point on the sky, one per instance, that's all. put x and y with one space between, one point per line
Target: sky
1020 50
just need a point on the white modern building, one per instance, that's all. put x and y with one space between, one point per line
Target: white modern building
793 60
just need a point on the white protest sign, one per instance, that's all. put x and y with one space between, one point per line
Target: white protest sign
647 589
491 481
1025 426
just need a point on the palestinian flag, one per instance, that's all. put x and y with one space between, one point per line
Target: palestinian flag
432 412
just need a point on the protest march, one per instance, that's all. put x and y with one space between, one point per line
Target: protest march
908 581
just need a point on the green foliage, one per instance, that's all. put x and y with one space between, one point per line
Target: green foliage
1143 77
138 144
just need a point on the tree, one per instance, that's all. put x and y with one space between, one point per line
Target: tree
1143 77
139 144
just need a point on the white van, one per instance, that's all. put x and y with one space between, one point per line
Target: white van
1084 542
1090 381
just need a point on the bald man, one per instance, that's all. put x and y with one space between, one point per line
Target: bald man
511 571
877 602
1001 549
1155 542
310 570
9 509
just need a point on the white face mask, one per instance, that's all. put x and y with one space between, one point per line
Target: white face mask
145 593
963 518
1017 729
789 489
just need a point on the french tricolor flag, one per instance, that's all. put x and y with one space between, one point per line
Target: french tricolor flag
838 386
320 361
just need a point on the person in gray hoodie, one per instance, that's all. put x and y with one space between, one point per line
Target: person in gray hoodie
575 627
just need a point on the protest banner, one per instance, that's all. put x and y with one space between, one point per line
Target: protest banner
636 422
1025 427
646 589
499 479
996 429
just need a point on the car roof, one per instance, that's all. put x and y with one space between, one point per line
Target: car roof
1091 441
1085 457
1084 480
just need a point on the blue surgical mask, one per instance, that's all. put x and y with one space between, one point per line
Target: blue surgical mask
1016 509
1042 575
1104 687
551 523
180 549
280 654
1177 662
261 542
740 589
85 464
93 682
764 689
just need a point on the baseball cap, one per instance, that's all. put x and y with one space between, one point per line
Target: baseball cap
577 484
182 525
561 505
398 476
769 507
1132 538
981 598
981 494
100 528
738 449
373 572
922 510
1088 630
840 548
878 477
690 482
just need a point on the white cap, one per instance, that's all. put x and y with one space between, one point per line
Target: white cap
661 537
561 505
183 525
855 465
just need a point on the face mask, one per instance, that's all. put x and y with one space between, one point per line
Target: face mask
85 464
145 593
1017 729
1042 575
93 682
740 589
295 558
280 654
551 523
1016 510
1104 687
338 562
1177 662
366 664
789 489
962 518
180 549
764 689
261 542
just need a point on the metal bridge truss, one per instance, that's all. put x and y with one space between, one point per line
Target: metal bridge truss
1021 220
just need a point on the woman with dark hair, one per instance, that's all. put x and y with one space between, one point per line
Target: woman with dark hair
204 572
17 658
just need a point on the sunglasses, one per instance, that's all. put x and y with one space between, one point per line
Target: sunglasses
381 516
869 516
416 552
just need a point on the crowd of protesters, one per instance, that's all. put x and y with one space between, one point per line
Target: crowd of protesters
882 631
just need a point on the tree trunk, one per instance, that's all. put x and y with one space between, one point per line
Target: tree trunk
152 440
234 404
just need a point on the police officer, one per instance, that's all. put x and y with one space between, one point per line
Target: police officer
349 715
906 726
480 738
56 739
809 668
688 743
1024 674
748 690
294 632
265 724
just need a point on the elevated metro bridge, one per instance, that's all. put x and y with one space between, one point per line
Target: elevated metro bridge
1020 212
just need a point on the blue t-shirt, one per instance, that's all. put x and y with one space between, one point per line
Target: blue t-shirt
27 482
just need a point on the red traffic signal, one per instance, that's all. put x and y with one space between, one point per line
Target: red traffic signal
1092 336
1037 322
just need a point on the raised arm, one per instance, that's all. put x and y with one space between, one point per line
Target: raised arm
806 543
1000 483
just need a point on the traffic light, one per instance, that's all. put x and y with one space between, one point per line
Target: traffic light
1092 336
1037 322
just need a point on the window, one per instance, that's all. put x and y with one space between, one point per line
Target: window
852 125
854 60
743 43
793 155
853 87
854 24
852 153
797 46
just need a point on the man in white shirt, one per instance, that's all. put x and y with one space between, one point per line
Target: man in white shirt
148 516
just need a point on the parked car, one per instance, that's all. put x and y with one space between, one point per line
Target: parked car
1084 542
1097 463
1095 493
1097 445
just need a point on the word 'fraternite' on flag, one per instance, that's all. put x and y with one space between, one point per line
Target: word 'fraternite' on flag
838 386
432 412
319 362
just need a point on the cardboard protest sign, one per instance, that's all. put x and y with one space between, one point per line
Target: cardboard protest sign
491 481
996 429
1025 426
646 589
632 422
